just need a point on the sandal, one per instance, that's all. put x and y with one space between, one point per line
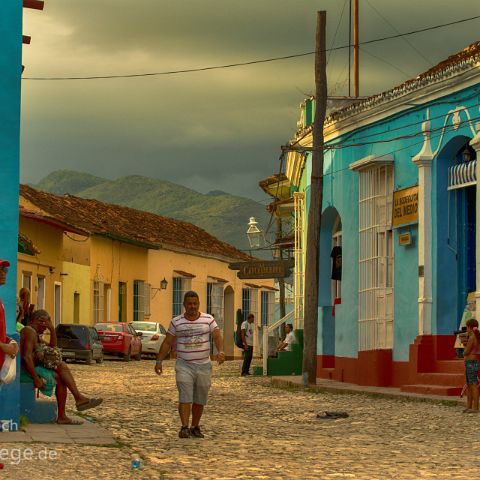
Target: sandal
332 415
90 403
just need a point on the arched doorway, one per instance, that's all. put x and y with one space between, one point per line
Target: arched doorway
229 321
454 232
329 283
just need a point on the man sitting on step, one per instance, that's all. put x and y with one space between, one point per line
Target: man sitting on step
286 345
48 372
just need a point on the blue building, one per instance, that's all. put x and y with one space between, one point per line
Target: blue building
10 75
399 245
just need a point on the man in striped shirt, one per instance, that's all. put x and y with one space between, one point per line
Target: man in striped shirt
193 369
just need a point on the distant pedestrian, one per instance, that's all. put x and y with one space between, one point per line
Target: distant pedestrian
247 340
290 339
471 365
193 369
27 307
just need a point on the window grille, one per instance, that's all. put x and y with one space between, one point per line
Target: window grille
146 299
245 302
215 305
181 285
267 307
375 296
138 300
98 302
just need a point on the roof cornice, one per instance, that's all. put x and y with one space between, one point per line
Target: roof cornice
378 107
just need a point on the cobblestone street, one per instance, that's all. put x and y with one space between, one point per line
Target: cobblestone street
255 431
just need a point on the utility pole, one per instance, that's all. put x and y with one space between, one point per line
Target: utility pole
315 209
356 51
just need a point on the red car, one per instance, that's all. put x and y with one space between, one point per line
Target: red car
120 339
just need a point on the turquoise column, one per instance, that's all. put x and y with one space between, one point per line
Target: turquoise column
10 78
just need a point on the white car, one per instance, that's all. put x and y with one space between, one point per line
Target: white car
153 335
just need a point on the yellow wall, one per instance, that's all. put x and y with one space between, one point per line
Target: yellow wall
162 264
113 262
76 248
76 280
48 240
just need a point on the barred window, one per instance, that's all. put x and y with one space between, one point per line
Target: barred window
138 300
98 302
267 307
181 285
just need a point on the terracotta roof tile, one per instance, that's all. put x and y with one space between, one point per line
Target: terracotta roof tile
126 224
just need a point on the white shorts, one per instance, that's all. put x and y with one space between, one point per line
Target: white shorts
193 381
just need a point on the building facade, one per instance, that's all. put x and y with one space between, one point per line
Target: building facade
107 263
10 76
399 247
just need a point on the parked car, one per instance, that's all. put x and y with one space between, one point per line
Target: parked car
153 335
79 342
121 339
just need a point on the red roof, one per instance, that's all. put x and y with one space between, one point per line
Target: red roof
125 224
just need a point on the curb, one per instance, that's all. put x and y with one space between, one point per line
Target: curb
409 397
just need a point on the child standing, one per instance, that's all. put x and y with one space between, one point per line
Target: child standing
471 365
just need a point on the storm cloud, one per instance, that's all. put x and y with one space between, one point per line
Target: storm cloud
211 130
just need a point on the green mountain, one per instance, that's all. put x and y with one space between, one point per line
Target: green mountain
221 214
68 181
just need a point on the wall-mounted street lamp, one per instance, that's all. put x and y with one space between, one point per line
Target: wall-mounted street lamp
254 234
163 286
466 156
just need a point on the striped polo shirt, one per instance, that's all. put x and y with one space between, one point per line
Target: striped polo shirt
193 337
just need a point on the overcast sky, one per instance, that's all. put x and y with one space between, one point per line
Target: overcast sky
214 130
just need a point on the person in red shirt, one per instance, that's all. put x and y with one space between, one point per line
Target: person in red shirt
6 348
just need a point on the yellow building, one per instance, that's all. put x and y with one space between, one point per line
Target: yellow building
40 259
115 263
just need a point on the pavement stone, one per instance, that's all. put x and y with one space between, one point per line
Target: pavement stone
252 430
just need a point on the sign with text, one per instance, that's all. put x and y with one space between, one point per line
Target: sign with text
405 206
263 269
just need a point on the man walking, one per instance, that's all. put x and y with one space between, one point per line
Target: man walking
247 340
193 369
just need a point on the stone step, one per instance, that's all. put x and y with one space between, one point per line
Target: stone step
326 373
435 378
443 390
450 366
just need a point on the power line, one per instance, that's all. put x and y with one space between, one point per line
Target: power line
387 63
437 133
395 30
336 31
252 62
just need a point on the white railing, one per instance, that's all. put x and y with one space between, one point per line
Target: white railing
299 255
266 333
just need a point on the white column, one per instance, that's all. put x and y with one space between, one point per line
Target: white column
423 160
475 143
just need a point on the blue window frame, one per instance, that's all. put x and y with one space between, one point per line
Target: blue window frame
245 302
177 296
